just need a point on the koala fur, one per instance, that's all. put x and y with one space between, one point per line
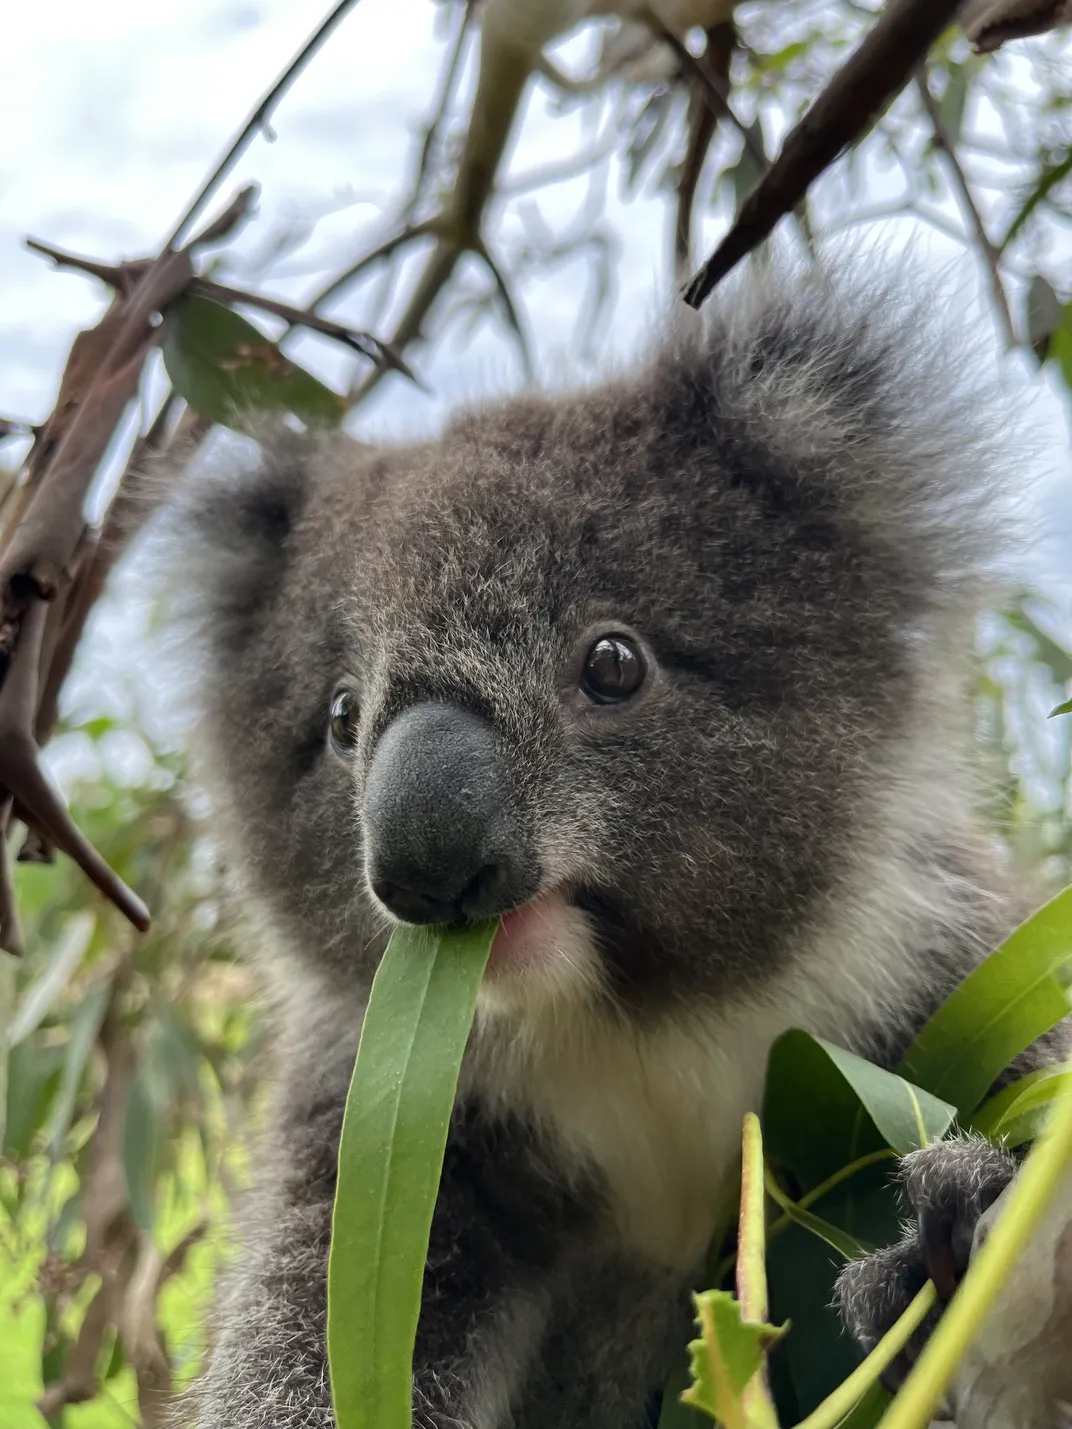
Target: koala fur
789 507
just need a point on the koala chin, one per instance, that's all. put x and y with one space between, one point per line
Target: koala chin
671 676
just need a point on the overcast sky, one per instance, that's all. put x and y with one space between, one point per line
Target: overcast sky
111 114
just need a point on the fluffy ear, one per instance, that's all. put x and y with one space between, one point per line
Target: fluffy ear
834 399
227 527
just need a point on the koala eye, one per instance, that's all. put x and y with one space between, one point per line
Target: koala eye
343 721
613 670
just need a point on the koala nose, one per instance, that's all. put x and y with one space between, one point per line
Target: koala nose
445 835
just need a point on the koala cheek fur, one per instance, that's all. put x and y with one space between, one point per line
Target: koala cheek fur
670 674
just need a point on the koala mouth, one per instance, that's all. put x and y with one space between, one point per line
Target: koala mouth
580 939
527 933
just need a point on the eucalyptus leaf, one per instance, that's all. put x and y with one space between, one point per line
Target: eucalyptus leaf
1003 1006
38 999
81 1035
846 1245
1017 1112
33 1076
905 1116
821 1111
730 1351
225 367
390 1157
143 1134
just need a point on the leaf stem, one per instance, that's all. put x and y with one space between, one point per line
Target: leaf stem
751 1268
784 1221
851 1390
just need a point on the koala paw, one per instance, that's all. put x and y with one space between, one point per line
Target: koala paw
948 1186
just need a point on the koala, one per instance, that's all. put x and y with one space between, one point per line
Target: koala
669 676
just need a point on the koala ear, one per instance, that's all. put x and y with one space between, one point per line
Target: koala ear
865 407
227 528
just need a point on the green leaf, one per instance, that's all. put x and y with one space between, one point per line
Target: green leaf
143 1134
390 1158
1004 1005
845 1244
954 99
225 367
728 1354
1065 707
37 1001
81 1035
905 1116
1054 656
1044 314
815 1123
1017 1112
33 1075
1050 178
1061 348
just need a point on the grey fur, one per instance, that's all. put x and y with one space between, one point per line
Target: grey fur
791 504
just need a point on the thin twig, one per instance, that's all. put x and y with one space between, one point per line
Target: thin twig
867 81
987 252
708 104
368 260
120 276
510 310
258 120
374 348
431 134
713 87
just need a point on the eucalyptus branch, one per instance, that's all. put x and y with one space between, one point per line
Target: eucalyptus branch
990 255
257 120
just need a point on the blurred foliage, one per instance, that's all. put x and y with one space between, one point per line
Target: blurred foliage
133 1069
154 1037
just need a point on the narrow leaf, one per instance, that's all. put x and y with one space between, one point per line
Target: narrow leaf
1049 179
81 1035
225 367
37 1001
751 1232
142 1134
724 1359
390 1157
906 1116
1019 1111
840 1240
1004 1005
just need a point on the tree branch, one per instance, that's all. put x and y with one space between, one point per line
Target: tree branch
985 248
871 76
257 120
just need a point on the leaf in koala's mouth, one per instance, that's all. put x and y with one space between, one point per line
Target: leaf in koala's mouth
390 1158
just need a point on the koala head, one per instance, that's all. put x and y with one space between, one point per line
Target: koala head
622 667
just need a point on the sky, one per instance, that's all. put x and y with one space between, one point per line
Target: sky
111 114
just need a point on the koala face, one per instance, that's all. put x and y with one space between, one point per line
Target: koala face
623 667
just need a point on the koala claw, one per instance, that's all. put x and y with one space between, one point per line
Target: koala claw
948 1186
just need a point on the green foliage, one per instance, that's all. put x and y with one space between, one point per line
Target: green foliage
225 367
394 1132
726 1357
1007 1003
1015 996
130 1064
